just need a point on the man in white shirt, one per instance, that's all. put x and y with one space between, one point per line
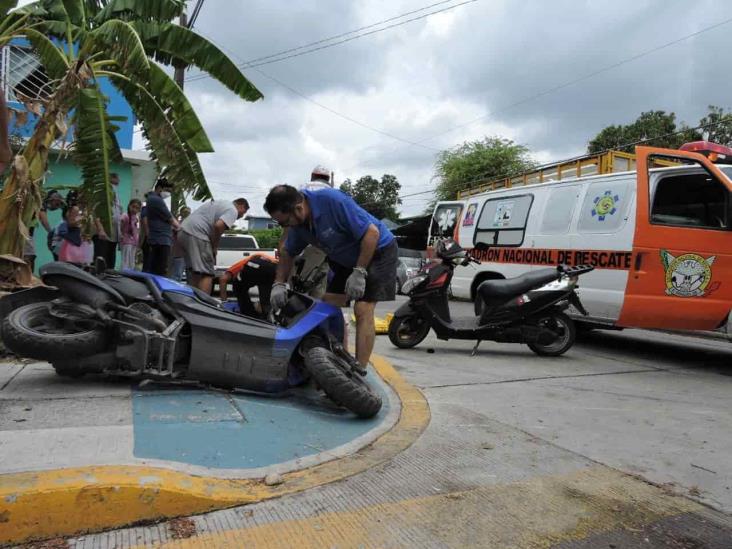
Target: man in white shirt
320 178
200 235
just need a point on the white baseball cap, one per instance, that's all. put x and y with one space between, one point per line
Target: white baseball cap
321 170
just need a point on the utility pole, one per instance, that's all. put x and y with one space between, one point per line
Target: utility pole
180 69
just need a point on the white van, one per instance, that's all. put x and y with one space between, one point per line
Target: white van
660 239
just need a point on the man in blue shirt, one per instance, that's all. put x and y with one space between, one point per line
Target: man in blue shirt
160 224
361 251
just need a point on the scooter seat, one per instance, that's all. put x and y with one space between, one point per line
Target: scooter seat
494 292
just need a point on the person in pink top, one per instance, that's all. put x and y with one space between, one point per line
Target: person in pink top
130 229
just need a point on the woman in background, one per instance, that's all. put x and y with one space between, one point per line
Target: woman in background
130 233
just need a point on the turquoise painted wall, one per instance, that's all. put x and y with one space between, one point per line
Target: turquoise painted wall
64 172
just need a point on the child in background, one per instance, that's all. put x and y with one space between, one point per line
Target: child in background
71 246
130 233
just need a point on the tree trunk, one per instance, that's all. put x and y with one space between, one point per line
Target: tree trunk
21 196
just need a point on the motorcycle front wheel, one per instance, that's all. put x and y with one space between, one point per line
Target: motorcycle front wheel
563 326
408 331
345 389
31 331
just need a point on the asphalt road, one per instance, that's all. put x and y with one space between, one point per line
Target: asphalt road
623 442
648 403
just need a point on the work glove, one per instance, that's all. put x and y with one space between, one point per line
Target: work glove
278 297
356 283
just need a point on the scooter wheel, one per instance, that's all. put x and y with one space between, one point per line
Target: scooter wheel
31 331
408 331
562 325
349 391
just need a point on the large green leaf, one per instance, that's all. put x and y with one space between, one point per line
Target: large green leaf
6 6
119 41
181 113
95 148
167 42
172 154
149 10
51 57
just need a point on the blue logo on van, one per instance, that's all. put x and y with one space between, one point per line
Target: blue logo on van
605 205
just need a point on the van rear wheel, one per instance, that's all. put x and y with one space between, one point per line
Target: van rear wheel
560 324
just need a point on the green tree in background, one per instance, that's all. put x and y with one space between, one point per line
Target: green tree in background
654 126
474 162
80 43
379 198
719 126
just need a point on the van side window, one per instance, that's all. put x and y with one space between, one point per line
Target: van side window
604 207
559 210
444 220
690 200
502 221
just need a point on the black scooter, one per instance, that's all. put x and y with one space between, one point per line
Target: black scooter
526 309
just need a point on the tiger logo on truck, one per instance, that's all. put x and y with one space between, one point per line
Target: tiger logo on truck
688 275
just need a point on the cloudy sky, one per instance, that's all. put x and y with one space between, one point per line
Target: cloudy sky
487 67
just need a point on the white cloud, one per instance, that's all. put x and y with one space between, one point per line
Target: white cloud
423 78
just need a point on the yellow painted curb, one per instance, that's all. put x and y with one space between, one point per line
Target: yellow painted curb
66 502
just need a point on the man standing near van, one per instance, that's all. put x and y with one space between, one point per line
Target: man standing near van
200 235
361 251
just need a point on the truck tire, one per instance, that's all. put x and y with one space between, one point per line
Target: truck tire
30 331
566 328
351 392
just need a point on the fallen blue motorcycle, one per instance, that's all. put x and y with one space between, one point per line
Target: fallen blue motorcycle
149 327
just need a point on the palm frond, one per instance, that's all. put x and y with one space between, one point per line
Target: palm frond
6 6
119 40
148 10
169 150
51 57
95 148
181 113
166 42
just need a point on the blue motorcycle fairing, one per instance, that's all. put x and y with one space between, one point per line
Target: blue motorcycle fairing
287 339
163 284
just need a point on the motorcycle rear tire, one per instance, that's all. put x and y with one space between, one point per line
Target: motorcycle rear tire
566 340
351 392
414 339
22 333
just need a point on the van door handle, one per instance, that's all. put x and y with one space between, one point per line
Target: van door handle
639 260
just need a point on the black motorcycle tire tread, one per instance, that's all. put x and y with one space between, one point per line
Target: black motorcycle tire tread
394 335
541 350
341 389
27 343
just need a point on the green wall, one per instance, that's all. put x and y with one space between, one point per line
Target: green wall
64 172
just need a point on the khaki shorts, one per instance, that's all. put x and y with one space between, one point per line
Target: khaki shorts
198 254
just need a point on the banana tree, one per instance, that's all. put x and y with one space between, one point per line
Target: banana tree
80 43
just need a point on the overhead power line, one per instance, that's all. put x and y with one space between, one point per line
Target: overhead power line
579 79
321 44
194 15
343 116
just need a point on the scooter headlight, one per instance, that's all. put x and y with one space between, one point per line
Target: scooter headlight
412 283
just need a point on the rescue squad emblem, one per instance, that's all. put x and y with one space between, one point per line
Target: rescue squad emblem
688 275
605 205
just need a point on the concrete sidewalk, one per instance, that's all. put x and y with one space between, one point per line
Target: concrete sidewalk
74 452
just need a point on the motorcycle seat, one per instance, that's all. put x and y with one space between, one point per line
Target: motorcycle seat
203 296
494 292
132 290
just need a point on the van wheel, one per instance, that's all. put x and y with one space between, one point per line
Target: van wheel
560 324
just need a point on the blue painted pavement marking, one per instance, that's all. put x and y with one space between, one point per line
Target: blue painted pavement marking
236 431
